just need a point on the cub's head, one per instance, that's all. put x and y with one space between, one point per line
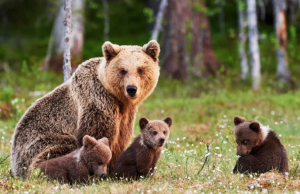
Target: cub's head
96 153
155 133
130 72
248 135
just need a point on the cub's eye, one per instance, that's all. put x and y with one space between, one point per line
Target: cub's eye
100 163
244 142
164 132
154 133
140 71
123 72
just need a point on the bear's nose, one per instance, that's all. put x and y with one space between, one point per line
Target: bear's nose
131 90
161 140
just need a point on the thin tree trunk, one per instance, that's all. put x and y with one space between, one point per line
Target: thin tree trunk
220 4
281 36
49 50
106 20
68 27
242 38
253 44
159 18
58 29
262 10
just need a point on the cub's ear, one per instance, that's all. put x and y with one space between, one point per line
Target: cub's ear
255 126
110 50
104 140
237 120
143 122
168 120
89 142
152 49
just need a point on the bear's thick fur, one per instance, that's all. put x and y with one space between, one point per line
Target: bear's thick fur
90 161
259 147
142 155
100 99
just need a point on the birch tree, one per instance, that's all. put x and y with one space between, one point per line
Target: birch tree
281 36
77 35
159 17
68 27
242 38
253 44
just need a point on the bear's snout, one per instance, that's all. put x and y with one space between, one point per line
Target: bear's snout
131 90
161 140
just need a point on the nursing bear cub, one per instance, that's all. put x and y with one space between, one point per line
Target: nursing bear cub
80 165
259 147
140 158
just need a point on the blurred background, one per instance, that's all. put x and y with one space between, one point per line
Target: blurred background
206 46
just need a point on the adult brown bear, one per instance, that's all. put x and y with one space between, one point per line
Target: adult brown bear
100 99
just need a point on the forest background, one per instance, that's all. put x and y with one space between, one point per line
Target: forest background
219 59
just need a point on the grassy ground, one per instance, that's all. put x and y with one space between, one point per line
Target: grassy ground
200 109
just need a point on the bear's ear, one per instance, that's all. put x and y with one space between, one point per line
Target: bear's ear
104 140
168 120
89 142
143 122
254 126
237 120
152 49
110 50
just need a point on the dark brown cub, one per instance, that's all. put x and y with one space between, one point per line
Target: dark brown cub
141 157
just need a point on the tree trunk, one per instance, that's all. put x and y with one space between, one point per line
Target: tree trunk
67 53
242 38
159 17
220 4
77 31
281 36
76 36
106 19
186 46
173 45
58 29
253 44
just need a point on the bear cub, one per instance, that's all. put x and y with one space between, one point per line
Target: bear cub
259 147
80 165
140 158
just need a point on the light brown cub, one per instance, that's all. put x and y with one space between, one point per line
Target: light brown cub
141 157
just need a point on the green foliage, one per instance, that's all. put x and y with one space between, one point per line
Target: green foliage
7 94
149 13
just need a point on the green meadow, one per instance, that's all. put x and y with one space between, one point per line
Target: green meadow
201 150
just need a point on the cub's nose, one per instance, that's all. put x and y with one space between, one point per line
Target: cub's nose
131 90
161 140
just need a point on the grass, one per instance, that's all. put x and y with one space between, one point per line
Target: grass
200 109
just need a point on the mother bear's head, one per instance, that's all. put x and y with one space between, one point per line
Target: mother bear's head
130 72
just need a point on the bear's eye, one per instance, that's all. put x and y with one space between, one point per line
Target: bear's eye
154 133
244 142
140 71
100 163
123 72
164 132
